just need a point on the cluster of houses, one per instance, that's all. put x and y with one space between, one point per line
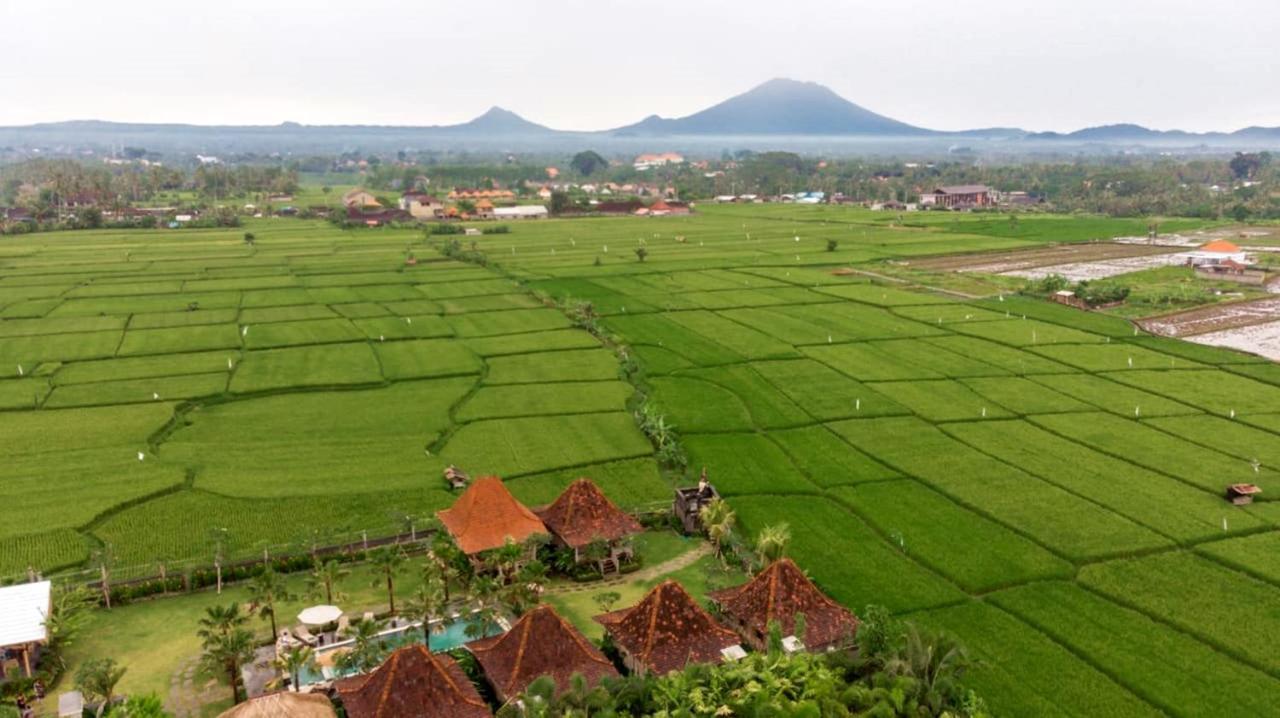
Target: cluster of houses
664 631
1225 260
414 205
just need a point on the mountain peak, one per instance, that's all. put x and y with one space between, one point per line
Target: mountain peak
498 119
780 106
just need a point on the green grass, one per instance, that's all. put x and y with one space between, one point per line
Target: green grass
1113 357
1224 608
180 339
1111 396
1027 673
340 442
493 402
134 391
1027 333
1023 396
1213 390
1152 660
564 366
844 556
746 464
315 331
827 460
943 400
297 367
924 525
520 446
1258 554
824 392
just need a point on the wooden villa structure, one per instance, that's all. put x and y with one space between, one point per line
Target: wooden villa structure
541 643
23 610
486 516
668 630
412 682
689 501
273 705
1242 494
583 515
780 593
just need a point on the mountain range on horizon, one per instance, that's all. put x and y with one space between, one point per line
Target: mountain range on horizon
777 108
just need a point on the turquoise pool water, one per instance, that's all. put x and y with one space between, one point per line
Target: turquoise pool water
452 635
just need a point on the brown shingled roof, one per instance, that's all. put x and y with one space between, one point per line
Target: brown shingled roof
778 593
413 682
583 514
541 643
486 516
667 630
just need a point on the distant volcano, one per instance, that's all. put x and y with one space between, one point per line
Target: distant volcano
779 107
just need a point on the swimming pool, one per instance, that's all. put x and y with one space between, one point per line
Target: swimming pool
445 635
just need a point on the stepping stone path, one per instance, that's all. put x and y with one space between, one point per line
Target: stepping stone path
684 560
189 691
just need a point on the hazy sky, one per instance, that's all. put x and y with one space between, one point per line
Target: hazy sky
595 64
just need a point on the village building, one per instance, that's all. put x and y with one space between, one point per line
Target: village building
618 207
484 209
1219 251
780 593
275 705
376 216
649 161
963 196
478 194
662 208
668 630
412 682
583 515
23 610
541 643
421 205
521 211
359 198
486 516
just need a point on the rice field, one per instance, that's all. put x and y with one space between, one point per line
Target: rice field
1042 482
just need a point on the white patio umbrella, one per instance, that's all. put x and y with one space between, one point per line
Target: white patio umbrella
319 615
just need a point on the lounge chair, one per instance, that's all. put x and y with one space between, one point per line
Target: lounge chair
305 636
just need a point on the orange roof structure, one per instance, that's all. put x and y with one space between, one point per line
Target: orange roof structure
667 630
484 204
778 593
1221 246
583 514
659 206
413 682
541 643
486 516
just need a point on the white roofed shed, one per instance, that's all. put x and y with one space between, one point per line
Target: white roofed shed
23 610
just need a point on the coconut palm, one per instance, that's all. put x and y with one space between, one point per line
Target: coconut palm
265 591
227 652
428 602
717 520
772 541
387 562
366 652
324 579
294 660
220 621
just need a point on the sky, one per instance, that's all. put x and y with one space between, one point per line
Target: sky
597 64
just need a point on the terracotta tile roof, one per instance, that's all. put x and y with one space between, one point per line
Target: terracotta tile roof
583 514
413 682
541 643
1221 245
778 593
486 515
667 629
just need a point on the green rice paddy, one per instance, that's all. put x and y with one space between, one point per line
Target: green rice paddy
1037 480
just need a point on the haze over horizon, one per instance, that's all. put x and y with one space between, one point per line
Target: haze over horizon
573 65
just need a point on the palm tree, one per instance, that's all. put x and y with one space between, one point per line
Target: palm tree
97 678
772 541
426 603
935 661
324 579
294 660
366 653
506 558
265 591
717 519
227 652
387 562
220 621
484 592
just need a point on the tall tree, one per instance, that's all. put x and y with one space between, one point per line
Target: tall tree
587 162
227 652
324 580
265 591
97 679
387 563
